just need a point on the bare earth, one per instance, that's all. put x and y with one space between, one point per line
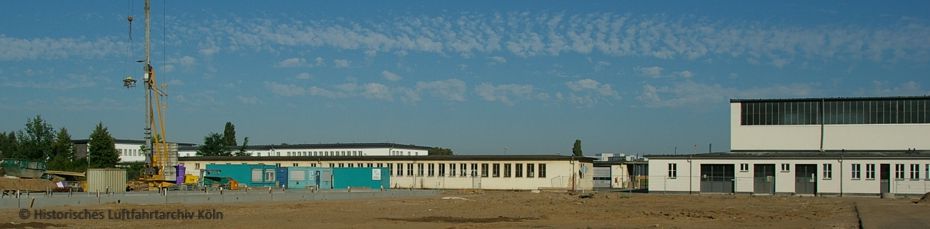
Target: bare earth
511 210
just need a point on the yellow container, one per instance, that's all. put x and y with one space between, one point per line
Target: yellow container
191 179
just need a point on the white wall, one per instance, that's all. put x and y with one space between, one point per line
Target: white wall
559 174
836 137
129 152
784 181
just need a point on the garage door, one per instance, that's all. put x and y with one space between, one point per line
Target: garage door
717 178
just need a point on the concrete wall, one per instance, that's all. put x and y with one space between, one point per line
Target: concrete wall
841 181
835 137
560 174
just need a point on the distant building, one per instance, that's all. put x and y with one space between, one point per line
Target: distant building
336 150
129 150
815 146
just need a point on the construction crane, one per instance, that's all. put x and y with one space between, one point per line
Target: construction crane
160 157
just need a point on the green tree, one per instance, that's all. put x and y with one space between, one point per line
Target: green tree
439 151
8 144
242 149
102 148
62 152
576 149
36 142
229 134
213 145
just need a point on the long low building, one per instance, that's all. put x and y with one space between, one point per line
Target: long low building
498 172
325 150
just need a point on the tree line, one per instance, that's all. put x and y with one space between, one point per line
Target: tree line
39 141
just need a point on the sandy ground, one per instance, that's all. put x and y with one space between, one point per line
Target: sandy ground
509 210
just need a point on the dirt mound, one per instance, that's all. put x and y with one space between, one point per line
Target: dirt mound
923 199
36 185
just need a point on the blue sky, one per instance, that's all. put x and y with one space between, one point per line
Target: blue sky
516 77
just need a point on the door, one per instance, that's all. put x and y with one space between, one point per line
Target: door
326 180
805 179
764 178
717 178
281 177
884 175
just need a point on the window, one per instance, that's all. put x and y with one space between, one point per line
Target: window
369 165
507 168
518 172
744 167
331 165
463 170
870 171
915 171
409 169
885 111
442 169
856 168
432 167
351 165
451 169
295 164
496 172
672 170
484 169
420 169
542 170
474 169
827 171
927 171
400 169
361 165
379 165
785 167
530 171
899 171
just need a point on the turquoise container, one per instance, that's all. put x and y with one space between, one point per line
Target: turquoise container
246 175
361 178
309 177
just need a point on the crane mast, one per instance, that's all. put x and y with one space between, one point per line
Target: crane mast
159 168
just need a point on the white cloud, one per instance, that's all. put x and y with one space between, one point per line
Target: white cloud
187 61
16 49
546 34
341 63
71 81
390 75
590 85
654 71
909 88
508 94
251 100
303 76
685 74
451 89
291 62
285 89
690 93
498 59
175 82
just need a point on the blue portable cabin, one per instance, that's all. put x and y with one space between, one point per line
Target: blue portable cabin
309 177
366 177
246 175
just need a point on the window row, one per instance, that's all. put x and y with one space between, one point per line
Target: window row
836 112
131 152
901 171
314 153
469 169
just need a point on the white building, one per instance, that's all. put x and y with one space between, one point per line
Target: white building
498 172
844 146
129 150
339 149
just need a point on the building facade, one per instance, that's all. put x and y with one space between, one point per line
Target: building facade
841 146
325 150
497 172
130 151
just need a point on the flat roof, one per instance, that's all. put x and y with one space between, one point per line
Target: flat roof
829 99
327 146
395 158
125 141
802 155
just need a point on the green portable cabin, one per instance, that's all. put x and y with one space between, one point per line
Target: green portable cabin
309 177
246 175
363 178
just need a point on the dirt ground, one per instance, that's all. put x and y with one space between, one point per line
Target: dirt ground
467 209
